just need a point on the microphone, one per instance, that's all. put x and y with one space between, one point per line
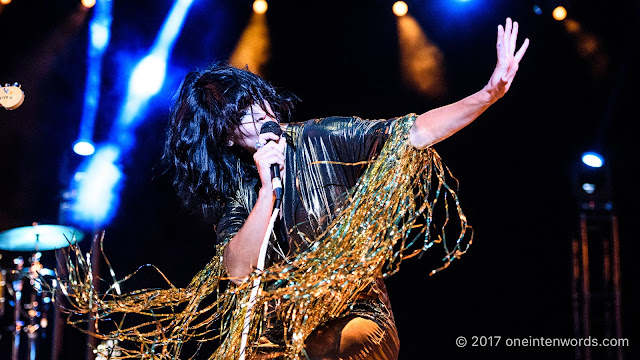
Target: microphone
276 182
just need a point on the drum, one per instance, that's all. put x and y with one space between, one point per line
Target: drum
25 303
3 284
24 300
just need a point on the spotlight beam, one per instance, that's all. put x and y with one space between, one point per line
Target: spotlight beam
253 49
97 195
148 76
171 28
421 61
99 34
98 190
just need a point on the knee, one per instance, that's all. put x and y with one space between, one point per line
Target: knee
364 338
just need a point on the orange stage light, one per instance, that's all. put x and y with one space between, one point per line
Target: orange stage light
400 8
260 6
559 13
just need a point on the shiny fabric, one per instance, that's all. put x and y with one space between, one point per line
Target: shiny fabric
384 219
324 159
350 337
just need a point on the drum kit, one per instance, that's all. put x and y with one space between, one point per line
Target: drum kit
23 286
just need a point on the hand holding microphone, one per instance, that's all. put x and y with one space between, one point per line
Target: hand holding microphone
269 159
271 154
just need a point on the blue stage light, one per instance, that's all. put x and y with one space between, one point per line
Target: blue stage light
172 25
84 148
537 10
148 76
592 159
99 35
98 184
458 14
99 30
100 25
589 188
98 188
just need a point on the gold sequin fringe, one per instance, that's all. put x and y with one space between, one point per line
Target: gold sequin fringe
390 215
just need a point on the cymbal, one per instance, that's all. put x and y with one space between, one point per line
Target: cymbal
39 238
26 272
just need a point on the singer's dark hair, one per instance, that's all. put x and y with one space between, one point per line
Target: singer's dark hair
206 111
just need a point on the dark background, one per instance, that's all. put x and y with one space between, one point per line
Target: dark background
515 163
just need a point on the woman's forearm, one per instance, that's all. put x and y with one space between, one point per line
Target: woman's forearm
438 124
241 253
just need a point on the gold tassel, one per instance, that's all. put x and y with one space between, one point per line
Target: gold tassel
387 217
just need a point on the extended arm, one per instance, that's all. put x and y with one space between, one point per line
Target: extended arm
440 123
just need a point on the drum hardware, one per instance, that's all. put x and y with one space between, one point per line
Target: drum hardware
34 309
3 284
17 307
39 238
26 280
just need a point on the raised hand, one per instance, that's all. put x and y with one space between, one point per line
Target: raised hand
508 59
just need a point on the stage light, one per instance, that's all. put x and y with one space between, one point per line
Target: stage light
456 14
592 159
573 27
98 187
593 183
148 76
99 181
589 188
5 2
84 148
559 13
99 30
537 10
171 27
400 8
253 49
589 47
421 61
88 3
260 6
99 33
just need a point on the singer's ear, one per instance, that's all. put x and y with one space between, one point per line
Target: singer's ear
230 143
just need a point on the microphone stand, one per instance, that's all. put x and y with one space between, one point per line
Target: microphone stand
268 127
256 282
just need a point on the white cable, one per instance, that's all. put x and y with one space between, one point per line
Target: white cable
256 283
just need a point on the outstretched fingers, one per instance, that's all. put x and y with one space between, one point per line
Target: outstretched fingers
500 41
514 64
507 36
513 38
506 43
508 58
522 50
